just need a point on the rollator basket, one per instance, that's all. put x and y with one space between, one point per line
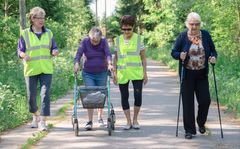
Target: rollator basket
93 96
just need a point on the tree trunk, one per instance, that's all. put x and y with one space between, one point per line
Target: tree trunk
5 8
22 11
238 27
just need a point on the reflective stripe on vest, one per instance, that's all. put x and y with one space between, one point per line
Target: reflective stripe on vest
39 53
121 56
129 64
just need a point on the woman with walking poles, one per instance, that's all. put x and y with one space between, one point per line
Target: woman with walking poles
194 48
36 47
130 64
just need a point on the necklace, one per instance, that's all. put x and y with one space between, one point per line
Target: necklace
195 39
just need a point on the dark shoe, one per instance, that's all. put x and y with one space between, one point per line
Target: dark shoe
188 135
202 130
89 125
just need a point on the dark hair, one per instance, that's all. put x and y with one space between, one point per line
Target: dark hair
127 20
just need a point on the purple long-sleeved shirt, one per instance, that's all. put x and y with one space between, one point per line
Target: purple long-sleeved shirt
95 58
22 44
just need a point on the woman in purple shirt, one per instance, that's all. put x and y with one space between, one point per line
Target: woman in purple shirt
97 60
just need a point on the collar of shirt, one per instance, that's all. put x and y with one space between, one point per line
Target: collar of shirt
43 29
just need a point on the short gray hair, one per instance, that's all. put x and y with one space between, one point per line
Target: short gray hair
193 16
95 32
36 12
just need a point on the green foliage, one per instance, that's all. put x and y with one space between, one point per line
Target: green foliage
78 23
69 22
220 17
9 31
60 32
13 109
113 27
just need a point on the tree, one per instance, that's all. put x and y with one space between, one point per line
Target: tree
22 12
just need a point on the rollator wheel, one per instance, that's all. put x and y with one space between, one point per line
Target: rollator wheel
76 129
113 119
109 126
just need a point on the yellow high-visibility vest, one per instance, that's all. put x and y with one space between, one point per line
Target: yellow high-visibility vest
129 64
39 52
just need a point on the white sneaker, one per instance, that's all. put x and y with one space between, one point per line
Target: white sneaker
42 126
35 121
100 123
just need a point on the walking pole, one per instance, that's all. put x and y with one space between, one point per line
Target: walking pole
217 99
180 95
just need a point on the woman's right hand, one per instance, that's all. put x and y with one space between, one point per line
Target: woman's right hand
24 56
76 68
183 55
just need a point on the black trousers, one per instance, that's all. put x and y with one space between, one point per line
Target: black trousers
195 82
124 89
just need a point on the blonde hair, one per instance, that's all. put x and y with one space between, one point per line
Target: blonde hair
36 12
193 16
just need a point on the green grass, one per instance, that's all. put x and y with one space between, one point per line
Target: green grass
61 114
13 100
35 137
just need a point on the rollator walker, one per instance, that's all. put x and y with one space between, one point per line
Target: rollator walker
93 97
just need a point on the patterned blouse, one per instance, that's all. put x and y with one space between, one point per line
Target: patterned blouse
196 53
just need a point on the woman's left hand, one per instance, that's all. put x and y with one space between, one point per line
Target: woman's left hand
212 59
55 52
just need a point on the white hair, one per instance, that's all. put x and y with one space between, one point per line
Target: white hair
193 16
95 32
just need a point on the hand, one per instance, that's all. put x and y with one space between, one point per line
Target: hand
183 55
212 59
76 68
24 56
145 79
55 52
110 67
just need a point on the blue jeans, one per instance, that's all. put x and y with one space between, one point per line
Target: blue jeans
94 79
45 84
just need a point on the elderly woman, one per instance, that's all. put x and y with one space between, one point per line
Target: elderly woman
130 65
194 48
36 47
97 60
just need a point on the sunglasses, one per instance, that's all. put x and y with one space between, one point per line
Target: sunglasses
126 29
194 24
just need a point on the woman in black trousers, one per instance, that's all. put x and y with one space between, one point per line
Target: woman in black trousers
194 48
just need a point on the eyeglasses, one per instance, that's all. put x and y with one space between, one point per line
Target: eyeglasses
126 29
39 18
194 24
